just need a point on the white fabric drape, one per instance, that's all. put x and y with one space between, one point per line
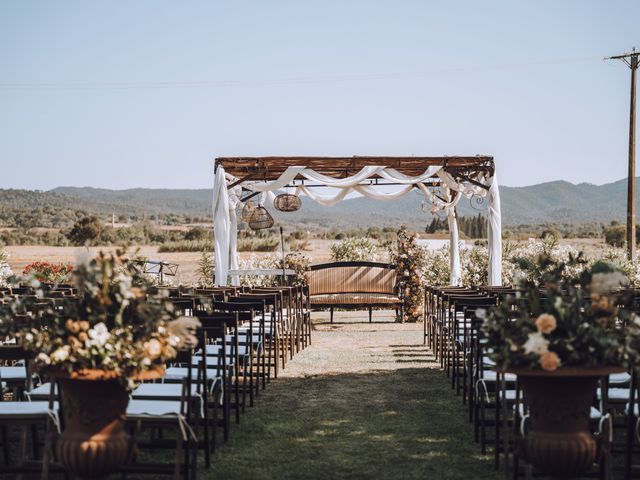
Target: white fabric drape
494 233
455 270
221 226
234 202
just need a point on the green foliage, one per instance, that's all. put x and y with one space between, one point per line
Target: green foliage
354 249
33 236
198 233
615 235
186 246
206 269
86 231
471 226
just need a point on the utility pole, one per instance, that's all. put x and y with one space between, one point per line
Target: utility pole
631 59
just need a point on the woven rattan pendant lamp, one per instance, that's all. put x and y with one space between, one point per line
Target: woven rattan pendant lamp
260 219
247 210
287 202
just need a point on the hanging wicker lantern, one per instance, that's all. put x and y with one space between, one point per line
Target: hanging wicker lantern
247 210
260 219
286 202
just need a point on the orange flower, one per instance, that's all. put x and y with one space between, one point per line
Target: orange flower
549 361
546 323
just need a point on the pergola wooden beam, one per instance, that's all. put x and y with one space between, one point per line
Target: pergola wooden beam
270 168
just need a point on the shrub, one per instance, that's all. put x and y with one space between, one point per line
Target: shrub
86 231
354 249
186 246
206 269
198 233
615 235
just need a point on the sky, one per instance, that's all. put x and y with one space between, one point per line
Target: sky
124 94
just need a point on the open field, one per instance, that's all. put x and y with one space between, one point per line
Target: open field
19 256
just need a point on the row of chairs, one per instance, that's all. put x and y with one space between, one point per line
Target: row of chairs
247 337
495 404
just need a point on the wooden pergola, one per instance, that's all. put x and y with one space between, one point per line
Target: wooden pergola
237 179
271 168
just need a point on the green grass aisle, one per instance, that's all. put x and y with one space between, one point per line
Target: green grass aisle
364 401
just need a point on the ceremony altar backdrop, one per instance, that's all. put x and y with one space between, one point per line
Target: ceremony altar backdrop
444 181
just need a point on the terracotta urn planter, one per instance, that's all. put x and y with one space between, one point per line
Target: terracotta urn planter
94 442
559 443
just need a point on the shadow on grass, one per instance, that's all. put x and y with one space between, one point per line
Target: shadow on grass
399 424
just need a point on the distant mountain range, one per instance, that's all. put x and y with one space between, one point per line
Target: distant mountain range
551 202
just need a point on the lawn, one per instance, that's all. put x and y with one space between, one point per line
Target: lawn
364 401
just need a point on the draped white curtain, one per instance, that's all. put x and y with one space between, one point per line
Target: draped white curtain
225 203
494 236
221 227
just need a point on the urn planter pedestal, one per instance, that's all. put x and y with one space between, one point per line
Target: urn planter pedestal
560 444
94 442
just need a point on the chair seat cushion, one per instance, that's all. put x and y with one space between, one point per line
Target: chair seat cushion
161 391
9 374
39 393
354 299
30 409
153 408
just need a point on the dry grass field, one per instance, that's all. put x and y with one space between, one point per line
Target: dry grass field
19 256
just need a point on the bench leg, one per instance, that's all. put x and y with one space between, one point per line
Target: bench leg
331 314
370 314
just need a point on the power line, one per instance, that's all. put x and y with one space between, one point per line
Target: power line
282 81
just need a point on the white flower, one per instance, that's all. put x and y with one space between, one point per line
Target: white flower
536 343
43 358
153 348
60 355
99 334
481 313
605 283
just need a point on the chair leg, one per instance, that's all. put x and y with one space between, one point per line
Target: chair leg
370 314
331 314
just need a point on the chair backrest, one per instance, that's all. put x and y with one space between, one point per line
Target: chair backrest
12 353
352 277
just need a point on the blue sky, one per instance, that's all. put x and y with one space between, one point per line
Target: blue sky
124 94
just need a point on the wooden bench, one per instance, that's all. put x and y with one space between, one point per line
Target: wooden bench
355 286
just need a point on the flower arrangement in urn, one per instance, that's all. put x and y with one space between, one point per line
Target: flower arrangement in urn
96 345
560 336
409 258
113 325
564 320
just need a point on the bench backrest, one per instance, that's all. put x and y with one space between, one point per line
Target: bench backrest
352 277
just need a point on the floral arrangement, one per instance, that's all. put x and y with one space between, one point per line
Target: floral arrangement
299 263
354 249
409 258
295 261
114 324
5 270
46 272
566 320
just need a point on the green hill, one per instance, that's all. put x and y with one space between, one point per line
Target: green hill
551 202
